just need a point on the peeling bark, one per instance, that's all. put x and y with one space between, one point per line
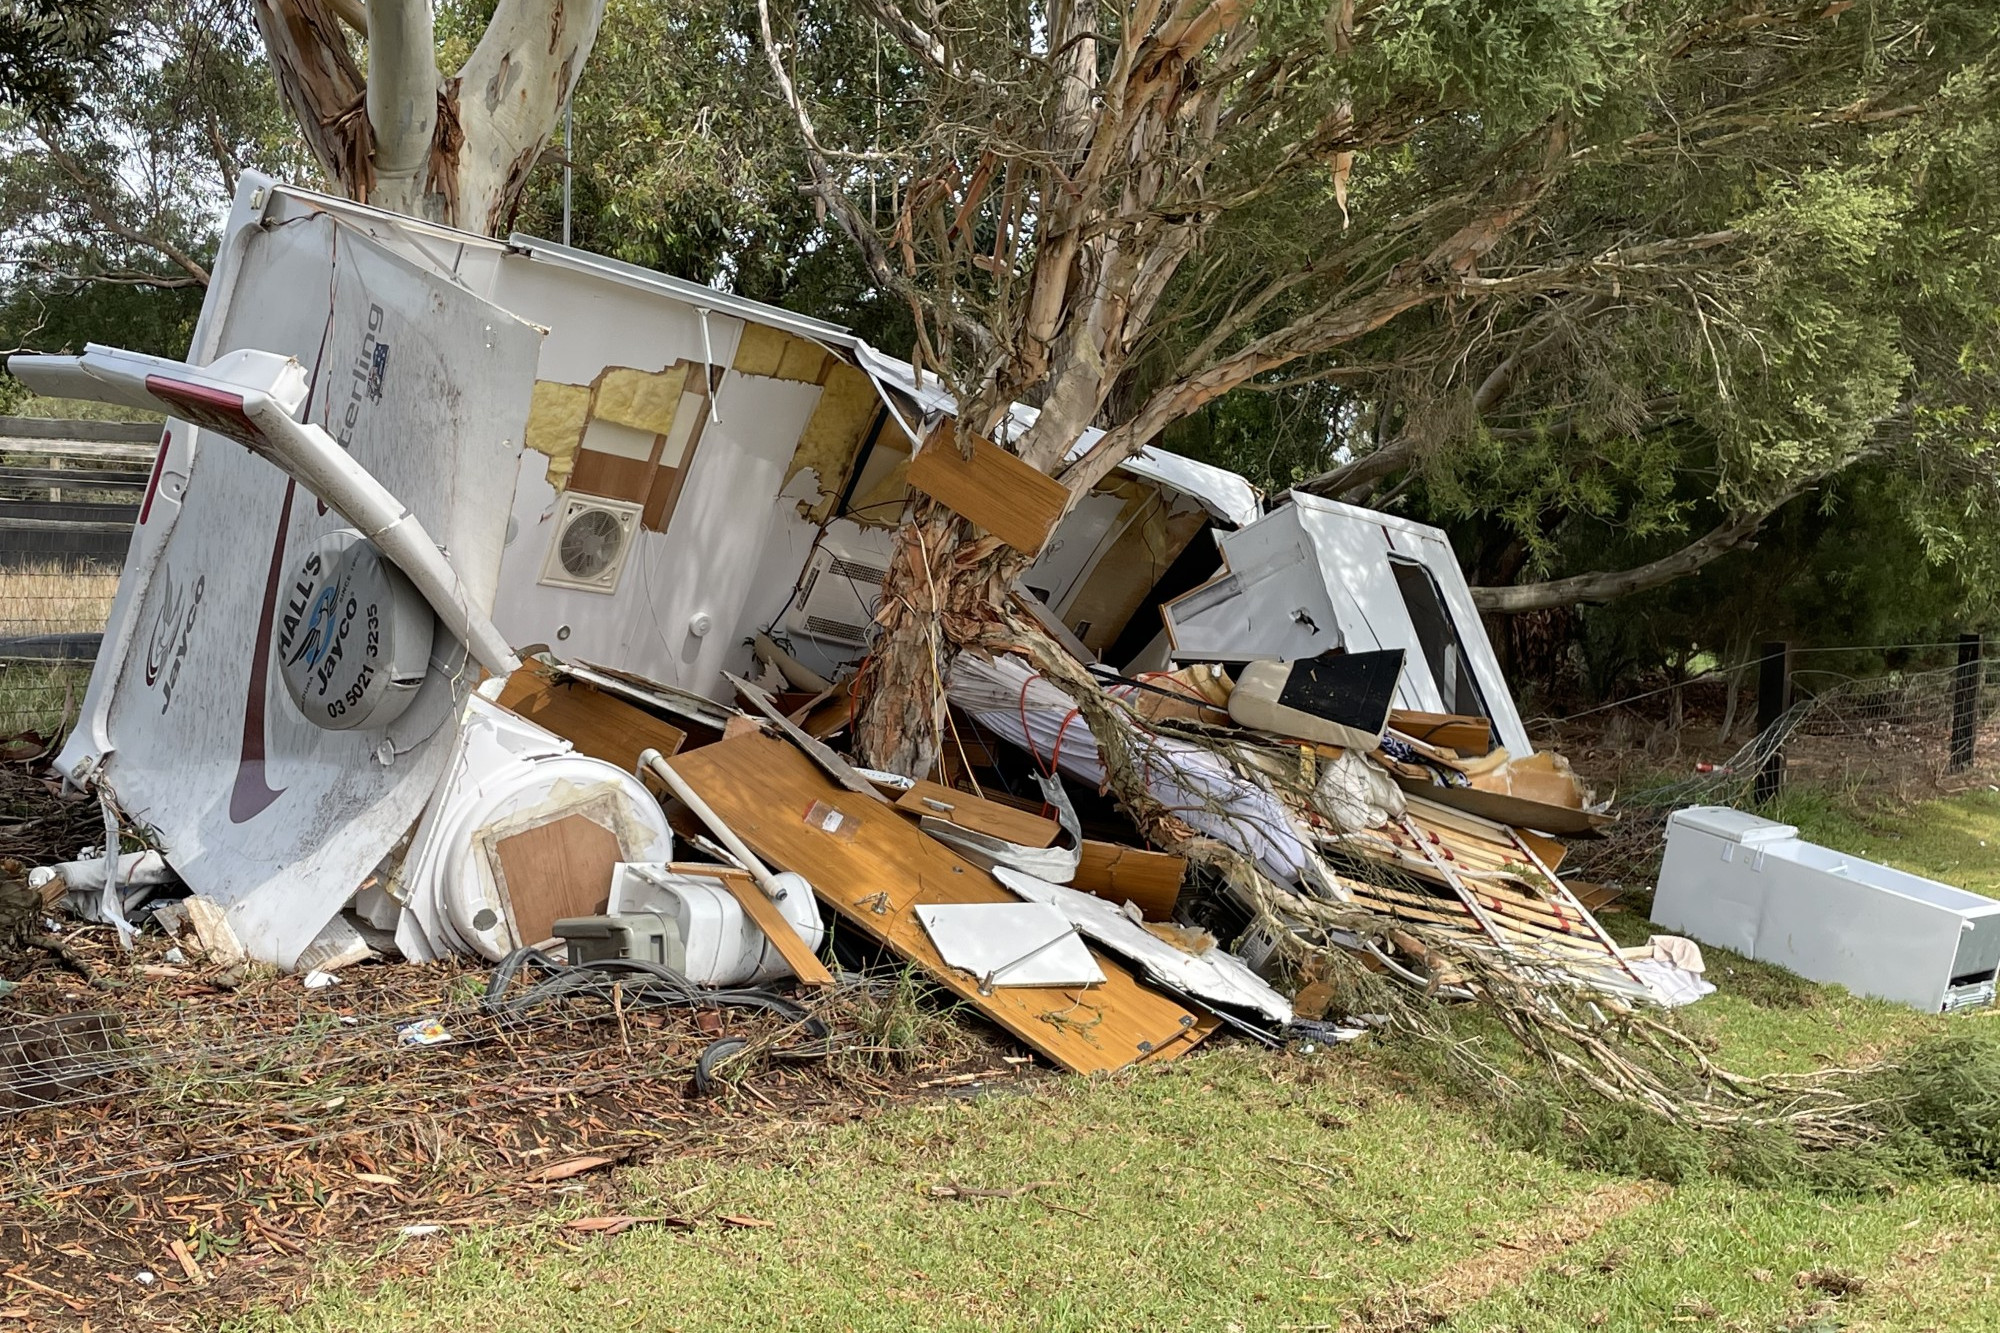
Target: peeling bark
946 589
454 150
322 86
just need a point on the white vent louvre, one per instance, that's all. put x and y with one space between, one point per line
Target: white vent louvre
841 585
855 569
590 542
839 630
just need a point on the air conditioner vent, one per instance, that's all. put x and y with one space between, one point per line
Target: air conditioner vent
840 587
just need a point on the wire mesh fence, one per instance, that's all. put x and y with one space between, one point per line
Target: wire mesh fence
52 616
1878 743
70 492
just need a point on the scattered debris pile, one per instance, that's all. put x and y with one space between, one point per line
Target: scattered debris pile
1305 812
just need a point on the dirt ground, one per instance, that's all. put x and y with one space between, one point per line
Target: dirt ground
183 1140
220 1132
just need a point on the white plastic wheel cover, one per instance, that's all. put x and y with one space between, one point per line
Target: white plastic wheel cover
354 642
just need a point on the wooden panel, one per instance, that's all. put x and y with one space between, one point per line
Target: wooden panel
1466 735
1551 851
988 817
805 964
874 867
993 489
594 722
1152 880
671 476
611 476
1510 810
554 870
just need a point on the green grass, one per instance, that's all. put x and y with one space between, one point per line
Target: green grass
1956 840
1236 1190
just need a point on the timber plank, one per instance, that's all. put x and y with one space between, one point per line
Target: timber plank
1472 736
594 722
1149 879
784 937
874 867
980 815
993 489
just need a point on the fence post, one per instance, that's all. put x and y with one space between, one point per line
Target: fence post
1774 699
1965 703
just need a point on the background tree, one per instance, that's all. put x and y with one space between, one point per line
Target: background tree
45 45
1654 238
684 162
110 202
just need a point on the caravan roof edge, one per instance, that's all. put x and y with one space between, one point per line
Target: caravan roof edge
1307 500
694 293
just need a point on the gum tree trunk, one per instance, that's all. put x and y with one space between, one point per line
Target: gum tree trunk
404 137
946 592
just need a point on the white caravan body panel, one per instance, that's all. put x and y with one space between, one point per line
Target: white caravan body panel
274 818
1316 574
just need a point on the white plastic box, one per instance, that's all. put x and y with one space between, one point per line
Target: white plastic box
1754 886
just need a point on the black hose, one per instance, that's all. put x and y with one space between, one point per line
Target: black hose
722 1048
634 983
631 981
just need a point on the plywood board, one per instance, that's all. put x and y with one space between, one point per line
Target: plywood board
612 476
784 937
1510 810
993 489
1469 736
1151 880
981 816
594 722
556 870
872 866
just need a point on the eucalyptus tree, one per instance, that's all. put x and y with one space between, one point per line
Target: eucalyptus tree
385 123
1491 229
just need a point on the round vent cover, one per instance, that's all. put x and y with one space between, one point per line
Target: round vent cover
590 543
354 642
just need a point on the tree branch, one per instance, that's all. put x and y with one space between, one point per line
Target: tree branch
402 98
874 254
354 13
1605 587
321 85
1356 473
110 222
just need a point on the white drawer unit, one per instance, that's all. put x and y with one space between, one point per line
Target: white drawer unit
1754 886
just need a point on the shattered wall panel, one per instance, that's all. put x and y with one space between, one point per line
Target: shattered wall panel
847 408
1151 534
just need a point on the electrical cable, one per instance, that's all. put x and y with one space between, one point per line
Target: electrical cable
645 985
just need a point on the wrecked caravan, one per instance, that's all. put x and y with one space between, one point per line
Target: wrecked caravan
566 452
1315 575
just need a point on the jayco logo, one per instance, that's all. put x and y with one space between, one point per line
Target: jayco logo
173 628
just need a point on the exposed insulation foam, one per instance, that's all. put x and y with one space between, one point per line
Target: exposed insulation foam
556 416
840 420
644 400
775 354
